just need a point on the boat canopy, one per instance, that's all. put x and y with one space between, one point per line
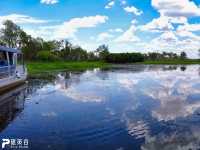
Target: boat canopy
12 50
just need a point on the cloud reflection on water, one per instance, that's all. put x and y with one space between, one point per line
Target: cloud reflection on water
187 140
69 88
173 93
131 95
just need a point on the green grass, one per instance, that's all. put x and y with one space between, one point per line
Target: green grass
41 67
173 62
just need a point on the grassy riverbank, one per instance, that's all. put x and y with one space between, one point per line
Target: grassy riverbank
38 67
174 62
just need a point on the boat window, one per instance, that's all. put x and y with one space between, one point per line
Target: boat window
3 60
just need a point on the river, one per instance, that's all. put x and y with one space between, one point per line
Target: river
133 107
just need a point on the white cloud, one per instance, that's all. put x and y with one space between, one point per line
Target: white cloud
45 33
104 36
167 41
133 10
163 24
176 33
185 33
119 30
123 2
175 41
176 8
68 28
49 2
171 12
128 36
190 27
22 19
110 4
134 21
167 37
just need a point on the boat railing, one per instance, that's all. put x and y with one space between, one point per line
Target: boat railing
4 72
8 71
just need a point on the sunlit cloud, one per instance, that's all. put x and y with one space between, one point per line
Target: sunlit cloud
49 2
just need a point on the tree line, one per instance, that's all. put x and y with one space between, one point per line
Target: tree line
37 49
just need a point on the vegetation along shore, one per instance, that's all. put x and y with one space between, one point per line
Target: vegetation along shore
38 67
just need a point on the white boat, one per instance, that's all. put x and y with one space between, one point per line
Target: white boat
12 69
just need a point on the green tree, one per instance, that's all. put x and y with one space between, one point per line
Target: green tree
24 39
153 56
183 55
66 51
125 57
47 56
10 34
103 51
2 43
51 45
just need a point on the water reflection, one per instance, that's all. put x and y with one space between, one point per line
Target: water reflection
187 140
11 105
126 107
183 68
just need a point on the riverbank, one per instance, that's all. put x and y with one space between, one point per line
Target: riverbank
38 67
172 62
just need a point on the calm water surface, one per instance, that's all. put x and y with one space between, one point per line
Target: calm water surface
124 108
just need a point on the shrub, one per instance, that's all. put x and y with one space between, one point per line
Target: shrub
47 56
125 58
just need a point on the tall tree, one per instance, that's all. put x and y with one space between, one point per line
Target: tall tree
2 43
10 34
183 55
103 51
51 45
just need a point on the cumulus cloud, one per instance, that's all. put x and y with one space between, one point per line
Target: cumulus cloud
134 10
173 41
166 41
128 36
163 23
134 21
186 33
49 2
176 8
176 33
22 19
123 2
104 36
119 30
110 4
190 27
68 28
172 12
167 37
158 24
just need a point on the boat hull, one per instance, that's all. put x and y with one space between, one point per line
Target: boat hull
11 85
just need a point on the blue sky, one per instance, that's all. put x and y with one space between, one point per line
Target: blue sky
125 25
